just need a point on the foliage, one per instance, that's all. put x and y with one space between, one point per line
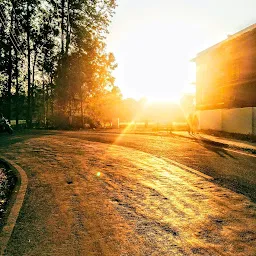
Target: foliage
53 53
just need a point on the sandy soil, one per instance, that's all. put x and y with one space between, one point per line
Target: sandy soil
90 198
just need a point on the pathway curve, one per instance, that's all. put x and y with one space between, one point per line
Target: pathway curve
90 198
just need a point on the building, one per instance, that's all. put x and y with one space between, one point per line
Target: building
226 84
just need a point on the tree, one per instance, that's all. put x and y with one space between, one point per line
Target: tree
54 51
87 68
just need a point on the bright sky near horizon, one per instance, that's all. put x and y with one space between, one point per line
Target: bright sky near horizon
153 41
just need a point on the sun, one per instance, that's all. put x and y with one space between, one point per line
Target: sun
153 58
153 86
162 78
173 96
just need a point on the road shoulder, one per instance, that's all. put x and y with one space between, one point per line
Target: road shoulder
221 142
15 203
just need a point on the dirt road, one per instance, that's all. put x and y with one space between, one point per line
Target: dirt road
91 198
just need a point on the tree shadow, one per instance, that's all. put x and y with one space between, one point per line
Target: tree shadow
214 146
7 140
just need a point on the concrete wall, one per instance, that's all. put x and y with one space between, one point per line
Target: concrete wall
210 119
237 120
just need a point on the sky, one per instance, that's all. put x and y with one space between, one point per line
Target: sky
154 41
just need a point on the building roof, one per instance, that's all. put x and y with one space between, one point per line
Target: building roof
230 37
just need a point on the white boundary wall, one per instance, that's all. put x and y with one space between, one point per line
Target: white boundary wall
236 120
210 119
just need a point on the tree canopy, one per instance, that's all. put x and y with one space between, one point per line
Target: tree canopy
54 66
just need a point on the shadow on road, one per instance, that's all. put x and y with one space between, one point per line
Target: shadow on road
217 149
21 136
214 146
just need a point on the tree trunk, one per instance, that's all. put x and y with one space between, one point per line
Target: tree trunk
52 98
68 29
47 105
9 87
29 118
17 90
62 26
33 84
17 87
44 113
82 107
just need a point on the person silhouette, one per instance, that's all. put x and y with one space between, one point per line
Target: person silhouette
190 123
195 124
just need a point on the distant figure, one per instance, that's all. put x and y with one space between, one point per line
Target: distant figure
195 124
190 124
171 127
146 124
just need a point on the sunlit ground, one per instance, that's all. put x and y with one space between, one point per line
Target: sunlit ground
91 198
